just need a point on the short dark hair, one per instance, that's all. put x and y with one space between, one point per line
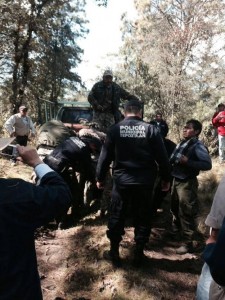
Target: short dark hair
133 106
220 105
196 124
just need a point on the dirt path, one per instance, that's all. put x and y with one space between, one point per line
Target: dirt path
71 265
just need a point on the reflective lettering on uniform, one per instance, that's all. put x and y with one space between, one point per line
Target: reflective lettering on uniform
78 142
136 131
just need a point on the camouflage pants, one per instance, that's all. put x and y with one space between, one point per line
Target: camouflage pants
104 120
184 206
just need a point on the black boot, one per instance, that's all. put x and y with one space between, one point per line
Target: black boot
138 255
113 254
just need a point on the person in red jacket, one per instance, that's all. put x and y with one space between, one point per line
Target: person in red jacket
218 121
220 107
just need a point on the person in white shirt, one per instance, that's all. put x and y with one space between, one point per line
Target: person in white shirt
20 126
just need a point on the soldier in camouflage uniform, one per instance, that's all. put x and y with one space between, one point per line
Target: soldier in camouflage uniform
105 97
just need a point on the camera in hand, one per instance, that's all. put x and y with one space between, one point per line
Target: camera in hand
11 151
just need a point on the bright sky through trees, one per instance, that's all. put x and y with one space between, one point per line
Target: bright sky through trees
104 37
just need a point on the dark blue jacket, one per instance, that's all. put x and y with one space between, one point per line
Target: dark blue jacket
138 152
73 152
23 208
198 160
214 256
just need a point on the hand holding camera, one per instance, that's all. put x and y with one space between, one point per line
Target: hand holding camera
29 155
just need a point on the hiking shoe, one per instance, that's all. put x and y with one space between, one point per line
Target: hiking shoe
113 257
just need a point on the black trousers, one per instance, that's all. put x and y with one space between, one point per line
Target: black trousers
139 198
22 140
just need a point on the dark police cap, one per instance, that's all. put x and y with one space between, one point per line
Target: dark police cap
133 103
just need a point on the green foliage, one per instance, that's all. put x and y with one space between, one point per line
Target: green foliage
172 58
40 49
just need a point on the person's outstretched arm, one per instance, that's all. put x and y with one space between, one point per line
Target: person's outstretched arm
45 201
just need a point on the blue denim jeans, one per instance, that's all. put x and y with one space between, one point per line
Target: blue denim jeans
203 285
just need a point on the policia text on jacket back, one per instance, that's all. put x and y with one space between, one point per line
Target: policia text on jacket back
137 151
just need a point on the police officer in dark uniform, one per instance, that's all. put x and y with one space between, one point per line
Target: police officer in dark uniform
137 150
71 156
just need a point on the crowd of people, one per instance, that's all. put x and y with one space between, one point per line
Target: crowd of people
132 164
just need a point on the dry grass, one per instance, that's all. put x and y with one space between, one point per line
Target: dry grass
71 261
165 275
78 272
19 171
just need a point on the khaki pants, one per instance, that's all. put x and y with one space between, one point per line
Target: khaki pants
184 206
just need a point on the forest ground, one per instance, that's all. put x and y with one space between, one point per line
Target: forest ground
72 267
